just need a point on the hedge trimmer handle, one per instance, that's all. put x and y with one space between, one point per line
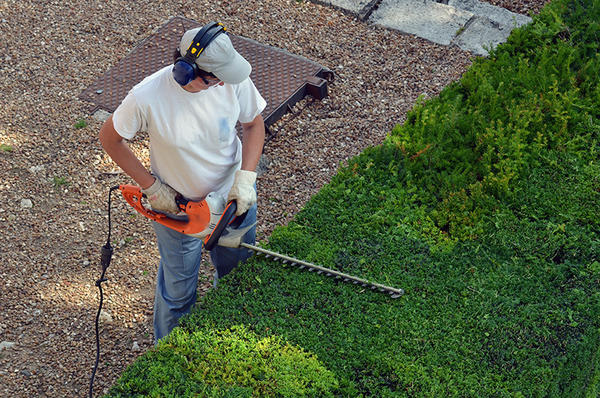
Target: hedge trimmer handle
198 212
228 218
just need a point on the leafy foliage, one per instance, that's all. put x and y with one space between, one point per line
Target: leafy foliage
537 92
225 363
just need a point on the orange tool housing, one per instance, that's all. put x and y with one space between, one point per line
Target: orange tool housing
198 213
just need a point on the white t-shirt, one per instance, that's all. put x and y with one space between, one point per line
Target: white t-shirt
193 141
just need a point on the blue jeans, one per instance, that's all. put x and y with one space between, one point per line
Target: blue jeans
177 277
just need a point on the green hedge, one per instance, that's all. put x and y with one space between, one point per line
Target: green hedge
538 92
483 206
233 362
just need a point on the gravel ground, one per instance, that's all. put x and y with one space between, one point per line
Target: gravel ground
520 6
55 177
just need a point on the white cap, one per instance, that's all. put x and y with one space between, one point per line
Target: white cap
219 58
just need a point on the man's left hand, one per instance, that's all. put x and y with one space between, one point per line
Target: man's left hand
243 191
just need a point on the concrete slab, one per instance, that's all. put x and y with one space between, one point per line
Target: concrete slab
352 6
480 34
433 21
496 14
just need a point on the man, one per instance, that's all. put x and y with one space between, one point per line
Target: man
194 150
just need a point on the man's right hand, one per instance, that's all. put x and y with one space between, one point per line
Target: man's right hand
161 197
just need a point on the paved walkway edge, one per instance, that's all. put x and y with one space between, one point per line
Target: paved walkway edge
472 25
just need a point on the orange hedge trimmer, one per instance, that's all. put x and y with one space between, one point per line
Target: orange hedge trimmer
199 217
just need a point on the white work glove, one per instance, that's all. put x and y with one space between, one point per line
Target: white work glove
243 191
161 197
216 205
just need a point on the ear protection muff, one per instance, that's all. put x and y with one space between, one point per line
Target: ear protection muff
185 69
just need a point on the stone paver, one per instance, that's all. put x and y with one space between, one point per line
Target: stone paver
496 14
353 6
481 34
472 25
490 26
433 21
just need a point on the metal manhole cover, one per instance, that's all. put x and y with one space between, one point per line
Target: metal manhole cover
282 78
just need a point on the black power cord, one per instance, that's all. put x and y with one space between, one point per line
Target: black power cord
107 252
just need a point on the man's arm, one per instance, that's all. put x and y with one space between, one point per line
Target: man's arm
119 151
253 138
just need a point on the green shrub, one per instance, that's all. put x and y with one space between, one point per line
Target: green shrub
225 363
537 92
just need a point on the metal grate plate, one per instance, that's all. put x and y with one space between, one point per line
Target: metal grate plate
282 78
